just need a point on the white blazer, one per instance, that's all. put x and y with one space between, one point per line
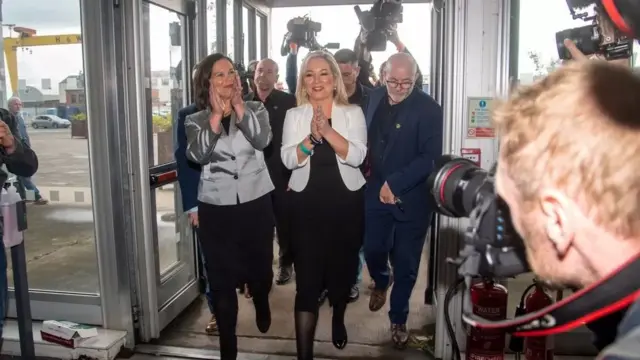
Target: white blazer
348 121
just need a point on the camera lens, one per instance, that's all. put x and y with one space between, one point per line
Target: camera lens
456 185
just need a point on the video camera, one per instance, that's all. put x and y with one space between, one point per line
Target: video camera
492 248
246 77
379 22
302 31
602 36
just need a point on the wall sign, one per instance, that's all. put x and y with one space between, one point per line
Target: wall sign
479 118
473 154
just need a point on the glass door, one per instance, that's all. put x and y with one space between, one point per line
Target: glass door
169 248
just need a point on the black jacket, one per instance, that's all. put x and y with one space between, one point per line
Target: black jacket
23 161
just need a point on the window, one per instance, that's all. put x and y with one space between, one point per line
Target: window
60 242
212 27
259 37
263 43
230 31
245 35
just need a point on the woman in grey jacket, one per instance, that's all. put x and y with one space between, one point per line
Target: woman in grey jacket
234 205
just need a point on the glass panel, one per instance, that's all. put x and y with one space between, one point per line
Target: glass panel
166 100
230 33
259 37
211 27
166 80
245 34
48 80
168 234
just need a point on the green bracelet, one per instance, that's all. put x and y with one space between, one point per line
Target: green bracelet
305 150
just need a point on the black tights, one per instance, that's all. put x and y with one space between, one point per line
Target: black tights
306 322
225 308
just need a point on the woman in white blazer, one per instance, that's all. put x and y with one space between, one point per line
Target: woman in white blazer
324 142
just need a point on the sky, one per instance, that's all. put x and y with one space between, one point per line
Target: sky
540 20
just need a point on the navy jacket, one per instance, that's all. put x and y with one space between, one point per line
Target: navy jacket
414 145
188 171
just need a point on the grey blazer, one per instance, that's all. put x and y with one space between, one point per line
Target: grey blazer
233 166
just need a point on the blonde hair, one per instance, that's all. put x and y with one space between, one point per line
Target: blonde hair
578 130
339 95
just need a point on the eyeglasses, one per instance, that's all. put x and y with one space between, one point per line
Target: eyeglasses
403 85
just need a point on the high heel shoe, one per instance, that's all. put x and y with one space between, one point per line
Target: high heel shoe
339 336
263 313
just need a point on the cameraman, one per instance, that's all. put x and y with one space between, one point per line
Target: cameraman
568 170
365 59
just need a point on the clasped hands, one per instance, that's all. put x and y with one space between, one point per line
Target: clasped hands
319 124
220 108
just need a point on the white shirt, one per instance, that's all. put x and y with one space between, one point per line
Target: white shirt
346 120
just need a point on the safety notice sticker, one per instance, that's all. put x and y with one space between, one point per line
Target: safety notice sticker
479 118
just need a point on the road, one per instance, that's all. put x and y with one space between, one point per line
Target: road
64 161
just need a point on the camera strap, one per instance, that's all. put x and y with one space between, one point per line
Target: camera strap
613 293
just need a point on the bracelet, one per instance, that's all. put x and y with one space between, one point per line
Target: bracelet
315 141
304 150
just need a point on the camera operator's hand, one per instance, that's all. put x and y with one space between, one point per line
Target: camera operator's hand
577 55
394 38
7 141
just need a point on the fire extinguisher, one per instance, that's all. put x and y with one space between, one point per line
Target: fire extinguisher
490 302
533 299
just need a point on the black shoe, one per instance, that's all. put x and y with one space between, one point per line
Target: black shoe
323 297
284 275
354 294
263 313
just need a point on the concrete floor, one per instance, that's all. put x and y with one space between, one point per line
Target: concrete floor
368 332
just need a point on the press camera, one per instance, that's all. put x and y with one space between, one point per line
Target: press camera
246 77
492 248
379 22
302 31
599 37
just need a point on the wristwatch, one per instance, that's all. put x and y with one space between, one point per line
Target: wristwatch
315 141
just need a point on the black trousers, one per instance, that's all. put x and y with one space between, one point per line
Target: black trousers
282 213
237 243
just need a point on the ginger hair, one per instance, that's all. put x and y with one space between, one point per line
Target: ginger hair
578 130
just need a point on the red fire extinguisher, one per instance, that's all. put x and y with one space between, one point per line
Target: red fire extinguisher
539 347
490 302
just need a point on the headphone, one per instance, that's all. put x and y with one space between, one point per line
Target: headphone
625 15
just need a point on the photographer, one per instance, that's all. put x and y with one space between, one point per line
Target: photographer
365 59
21 161
568 171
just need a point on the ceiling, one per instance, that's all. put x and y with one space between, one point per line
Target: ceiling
292 3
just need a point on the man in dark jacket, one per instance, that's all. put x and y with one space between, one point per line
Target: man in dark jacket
188 180
358 95
277 104
21 161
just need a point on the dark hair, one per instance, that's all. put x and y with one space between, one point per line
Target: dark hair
346 56
201 79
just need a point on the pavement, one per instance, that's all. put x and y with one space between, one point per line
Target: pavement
59 241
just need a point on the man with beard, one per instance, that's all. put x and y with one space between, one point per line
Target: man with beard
277 103
568 170
405 138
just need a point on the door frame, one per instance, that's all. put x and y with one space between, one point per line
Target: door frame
154 306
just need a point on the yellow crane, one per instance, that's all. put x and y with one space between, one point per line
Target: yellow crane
28 38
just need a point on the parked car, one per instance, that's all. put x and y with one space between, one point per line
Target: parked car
49 122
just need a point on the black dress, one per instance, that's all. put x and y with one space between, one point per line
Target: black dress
327 229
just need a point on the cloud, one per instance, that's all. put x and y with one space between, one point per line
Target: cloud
42 15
